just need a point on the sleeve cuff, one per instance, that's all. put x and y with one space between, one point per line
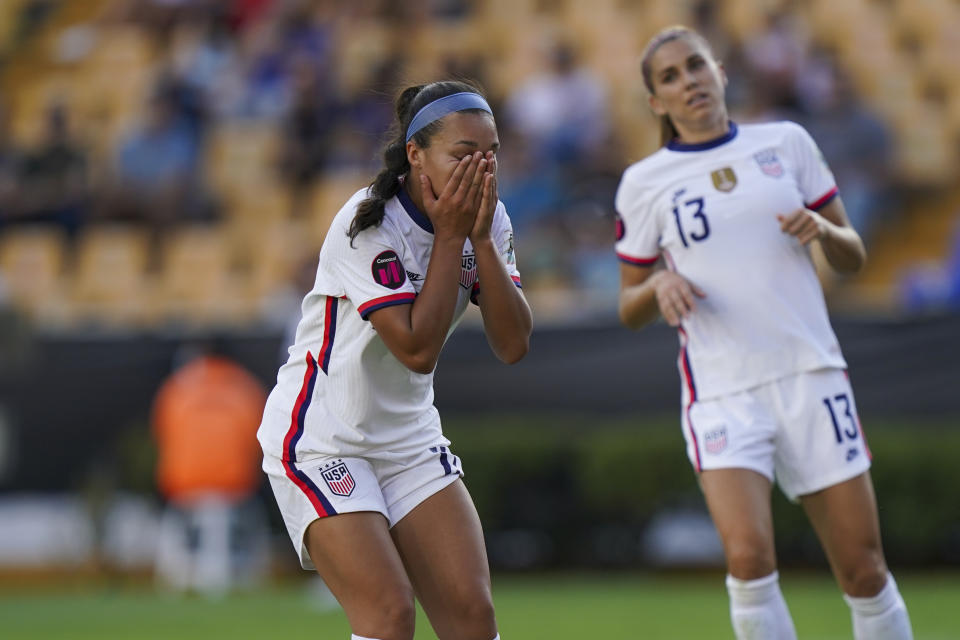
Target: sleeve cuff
387 301
640 262
823 200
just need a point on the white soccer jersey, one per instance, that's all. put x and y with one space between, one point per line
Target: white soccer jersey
711 210
342 392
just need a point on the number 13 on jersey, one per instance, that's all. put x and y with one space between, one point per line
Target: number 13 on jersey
697 234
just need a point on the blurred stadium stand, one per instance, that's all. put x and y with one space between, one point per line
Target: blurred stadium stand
234 70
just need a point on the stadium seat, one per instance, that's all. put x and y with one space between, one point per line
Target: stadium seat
196 284
32 262
279 251
110 284
241 158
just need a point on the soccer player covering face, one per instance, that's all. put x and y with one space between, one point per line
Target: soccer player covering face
368 486
731 212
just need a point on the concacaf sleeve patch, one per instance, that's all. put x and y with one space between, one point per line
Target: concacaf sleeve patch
388 270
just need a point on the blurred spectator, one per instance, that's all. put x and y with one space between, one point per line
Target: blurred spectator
205 56
274 50
307 130
934 287
10 157
776 56
53 179
855 143
158 179
205 419
366 115
563 110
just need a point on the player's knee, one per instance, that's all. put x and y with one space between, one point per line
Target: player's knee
391 617
472 611
864 578
750 559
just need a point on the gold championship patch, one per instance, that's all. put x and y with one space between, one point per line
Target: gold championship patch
724 179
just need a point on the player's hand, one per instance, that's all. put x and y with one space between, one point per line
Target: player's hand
488 201
454 211
805 225
676 296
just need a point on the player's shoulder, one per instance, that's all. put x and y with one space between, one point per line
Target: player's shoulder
643 175
780 130
640 171
348 211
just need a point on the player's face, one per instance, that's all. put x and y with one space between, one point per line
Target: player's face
462 133
688 84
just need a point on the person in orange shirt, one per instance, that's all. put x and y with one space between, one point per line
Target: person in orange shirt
205 419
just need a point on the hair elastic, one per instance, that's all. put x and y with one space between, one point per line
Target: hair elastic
440 107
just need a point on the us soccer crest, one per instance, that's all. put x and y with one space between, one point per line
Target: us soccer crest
724 179
715 441
338 478
769 163
468 270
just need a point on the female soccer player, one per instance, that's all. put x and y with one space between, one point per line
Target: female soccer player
732 211
366 482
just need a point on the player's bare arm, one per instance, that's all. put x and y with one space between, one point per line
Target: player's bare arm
415 333
507 320
841 243
646 292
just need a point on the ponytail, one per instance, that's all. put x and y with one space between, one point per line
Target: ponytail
387 184
667 131
389 181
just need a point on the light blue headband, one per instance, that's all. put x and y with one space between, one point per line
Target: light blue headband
440 107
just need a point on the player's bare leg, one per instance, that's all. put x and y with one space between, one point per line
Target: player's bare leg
441 543
739 503
845 519
356 557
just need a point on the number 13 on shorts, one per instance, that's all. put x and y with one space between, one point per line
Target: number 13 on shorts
850 429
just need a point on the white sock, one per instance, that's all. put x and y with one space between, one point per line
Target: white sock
354 636
496 637
758 610
882 617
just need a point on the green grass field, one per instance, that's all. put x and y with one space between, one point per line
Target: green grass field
555 607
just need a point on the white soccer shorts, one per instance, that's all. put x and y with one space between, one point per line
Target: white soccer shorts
802 431
324 487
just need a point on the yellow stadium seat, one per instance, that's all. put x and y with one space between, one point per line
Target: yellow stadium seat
196 284
110 284
278 253
241 158
31 264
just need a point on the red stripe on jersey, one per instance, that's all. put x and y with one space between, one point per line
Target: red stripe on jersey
320 504
377 303
516 281
687 375
643 262
329 331
822 201
296 426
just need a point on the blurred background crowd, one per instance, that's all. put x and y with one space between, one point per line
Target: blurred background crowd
168 169
179 160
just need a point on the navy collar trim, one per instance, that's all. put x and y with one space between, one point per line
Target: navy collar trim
676 145
418 216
